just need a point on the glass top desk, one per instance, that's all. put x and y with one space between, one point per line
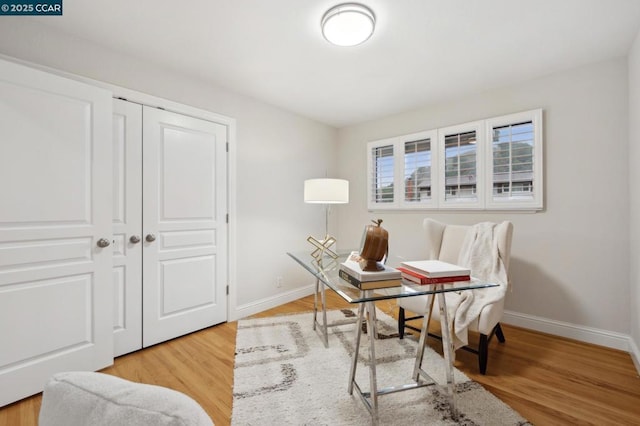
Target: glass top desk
326 269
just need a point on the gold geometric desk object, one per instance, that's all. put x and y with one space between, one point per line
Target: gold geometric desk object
322 247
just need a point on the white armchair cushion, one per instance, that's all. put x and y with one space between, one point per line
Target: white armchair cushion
96 399
444 243
452 238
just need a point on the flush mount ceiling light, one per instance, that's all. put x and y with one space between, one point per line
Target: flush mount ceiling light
348 24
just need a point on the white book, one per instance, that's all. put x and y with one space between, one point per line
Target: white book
352 267
436 268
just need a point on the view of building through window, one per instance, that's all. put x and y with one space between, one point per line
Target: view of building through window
460 166
383 174
513 160
417 170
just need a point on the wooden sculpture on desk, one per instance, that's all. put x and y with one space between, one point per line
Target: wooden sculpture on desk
375 247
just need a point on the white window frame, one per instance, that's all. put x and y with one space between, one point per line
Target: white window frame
399 188
484 168
455 204
536 201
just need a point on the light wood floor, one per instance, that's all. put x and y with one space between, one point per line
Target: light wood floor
549 380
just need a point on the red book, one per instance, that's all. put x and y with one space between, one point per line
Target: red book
416 277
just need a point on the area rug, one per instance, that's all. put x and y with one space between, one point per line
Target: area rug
285 376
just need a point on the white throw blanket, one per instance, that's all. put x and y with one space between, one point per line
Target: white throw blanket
479 253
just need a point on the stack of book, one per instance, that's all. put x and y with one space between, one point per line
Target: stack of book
433 272
351 272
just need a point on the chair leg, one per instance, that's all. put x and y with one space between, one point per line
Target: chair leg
483 349
499 333
401 323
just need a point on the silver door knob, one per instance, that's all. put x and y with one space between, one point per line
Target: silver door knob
135 239
103 242
150 238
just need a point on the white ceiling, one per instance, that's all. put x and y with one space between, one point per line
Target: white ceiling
422 52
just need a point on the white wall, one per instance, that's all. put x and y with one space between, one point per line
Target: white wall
276 151
570 263
570 266
634 194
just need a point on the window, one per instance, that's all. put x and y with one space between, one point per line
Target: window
404 163
515 163
492 164
383 174
417 171
461 166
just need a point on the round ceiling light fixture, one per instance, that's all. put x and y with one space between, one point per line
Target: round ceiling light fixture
348 24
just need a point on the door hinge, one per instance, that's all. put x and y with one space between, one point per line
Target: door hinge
227 146
227 290
227 219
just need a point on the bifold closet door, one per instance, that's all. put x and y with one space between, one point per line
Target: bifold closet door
127 227
56 305
184 222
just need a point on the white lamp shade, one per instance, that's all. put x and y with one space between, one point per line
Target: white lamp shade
348 24
326 191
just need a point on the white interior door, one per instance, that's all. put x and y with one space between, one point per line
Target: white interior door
55 205
127 227
184 220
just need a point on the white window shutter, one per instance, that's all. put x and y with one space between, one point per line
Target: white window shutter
514 161
381 187
462 171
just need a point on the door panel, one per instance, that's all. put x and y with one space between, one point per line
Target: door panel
180 295
37 115
184 193
55 194
127 223
27 303
51 253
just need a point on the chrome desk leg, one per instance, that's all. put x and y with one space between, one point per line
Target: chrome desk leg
324 316
315 304
356 349
447 348
370 399
373 382
323 327
374 320
424 332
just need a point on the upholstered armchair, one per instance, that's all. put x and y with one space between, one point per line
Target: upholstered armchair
445 243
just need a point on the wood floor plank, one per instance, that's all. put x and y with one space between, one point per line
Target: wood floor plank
548 379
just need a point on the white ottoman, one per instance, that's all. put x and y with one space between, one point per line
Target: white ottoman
96 399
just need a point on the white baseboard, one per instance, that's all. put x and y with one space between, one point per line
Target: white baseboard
581 333
591 335
243 311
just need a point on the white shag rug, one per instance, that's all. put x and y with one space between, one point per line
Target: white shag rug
285 376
